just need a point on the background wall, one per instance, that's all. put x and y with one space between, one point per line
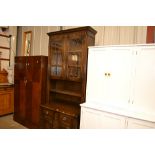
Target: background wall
39 39
12 30
106 35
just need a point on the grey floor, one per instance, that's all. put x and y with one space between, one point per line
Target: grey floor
7 122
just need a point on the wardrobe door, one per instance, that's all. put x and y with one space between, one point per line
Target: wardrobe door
19 89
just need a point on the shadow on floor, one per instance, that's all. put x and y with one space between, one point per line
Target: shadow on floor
7 122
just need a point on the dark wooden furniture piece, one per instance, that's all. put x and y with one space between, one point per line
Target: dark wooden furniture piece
30 78
6 99
67 65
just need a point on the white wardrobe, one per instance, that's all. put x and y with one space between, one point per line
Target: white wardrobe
120 87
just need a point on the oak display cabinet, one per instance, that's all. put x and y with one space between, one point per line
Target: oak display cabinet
67 66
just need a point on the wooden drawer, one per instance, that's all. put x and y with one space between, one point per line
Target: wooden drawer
46 112
46 119
65 119
57 120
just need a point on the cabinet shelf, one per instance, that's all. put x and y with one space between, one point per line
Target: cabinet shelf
3 47
55 65
77 66
4 59
75 51
3 35
65 92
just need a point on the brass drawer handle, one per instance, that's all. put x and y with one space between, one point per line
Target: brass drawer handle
46 112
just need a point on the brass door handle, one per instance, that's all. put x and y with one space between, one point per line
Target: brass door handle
109 74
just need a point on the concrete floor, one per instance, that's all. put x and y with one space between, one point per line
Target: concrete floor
7 122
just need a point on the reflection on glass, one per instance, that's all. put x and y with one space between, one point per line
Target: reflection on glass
56 71
74 59
53 70
59 71
74 72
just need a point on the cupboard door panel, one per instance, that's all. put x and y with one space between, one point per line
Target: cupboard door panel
74 52
29 69
57 57
109 78
36 69
6 101
139 124
118 88
20 68
95 119
144 91
19 101
35 103
112 121
90 119
96 75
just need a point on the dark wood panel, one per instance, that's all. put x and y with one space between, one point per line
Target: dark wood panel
67 63
30 89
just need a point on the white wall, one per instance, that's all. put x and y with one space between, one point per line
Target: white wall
106 35
114 35
39 39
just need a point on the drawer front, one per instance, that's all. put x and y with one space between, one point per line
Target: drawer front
47 117
56 120
48 113
63 121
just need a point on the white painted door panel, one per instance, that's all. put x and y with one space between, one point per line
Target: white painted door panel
90 119
95 119
139 124
119 82
112 121
109 75
96 79
144 90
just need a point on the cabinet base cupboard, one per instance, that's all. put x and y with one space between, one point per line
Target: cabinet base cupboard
94 118
121 78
